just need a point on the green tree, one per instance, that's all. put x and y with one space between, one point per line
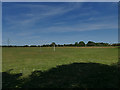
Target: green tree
53 44
91 43
76 44
81 43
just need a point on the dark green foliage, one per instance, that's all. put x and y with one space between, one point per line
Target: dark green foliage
91 43
53 44
76 44
33 45
81 43
26 46
102 44
116 44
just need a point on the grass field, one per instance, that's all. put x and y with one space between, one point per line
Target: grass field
96 63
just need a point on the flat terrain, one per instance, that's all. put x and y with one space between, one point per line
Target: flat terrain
24 59
64 62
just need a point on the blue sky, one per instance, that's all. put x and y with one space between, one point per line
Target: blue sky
43 23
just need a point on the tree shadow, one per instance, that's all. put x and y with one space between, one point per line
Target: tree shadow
76 75
10 80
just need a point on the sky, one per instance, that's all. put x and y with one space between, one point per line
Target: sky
59 0
60 22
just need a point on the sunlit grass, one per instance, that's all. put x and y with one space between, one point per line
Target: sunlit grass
26 60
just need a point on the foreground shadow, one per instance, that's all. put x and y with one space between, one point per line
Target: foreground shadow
10 80
76 75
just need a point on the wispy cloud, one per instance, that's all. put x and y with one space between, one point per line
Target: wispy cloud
36 20
81 27
37 13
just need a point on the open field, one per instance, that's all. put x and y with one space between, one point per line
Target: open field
66 67
45 58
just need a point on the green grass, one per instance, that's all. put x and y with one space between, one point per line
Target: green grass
64 68
28 59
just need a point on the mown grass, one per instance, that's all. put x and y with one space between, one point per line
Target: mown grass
32 67
26 60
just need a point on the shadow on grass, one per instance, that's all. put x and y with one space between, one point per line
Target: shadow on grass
10 80
76 75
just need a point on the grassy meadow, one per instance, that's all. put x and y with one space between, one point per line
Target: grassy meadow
72 66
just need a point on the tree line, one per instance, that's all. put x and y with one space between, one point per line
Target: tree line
76 44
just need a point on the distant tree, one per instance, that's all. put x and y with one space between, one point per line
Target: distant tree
102 44
106 44
91 43
81 43
53 44
99 44
76 44
71 44
116 44
26 46
39 45
33 45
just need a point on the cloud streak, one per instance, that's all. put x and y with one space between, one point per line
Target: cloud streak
79 28
37 20
38 13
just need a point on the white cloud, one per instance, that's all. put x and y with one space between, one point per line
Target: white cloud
92 23
38 12
80 27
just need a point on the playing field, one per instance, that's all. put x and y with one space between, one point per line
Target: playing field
68 67
25 60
